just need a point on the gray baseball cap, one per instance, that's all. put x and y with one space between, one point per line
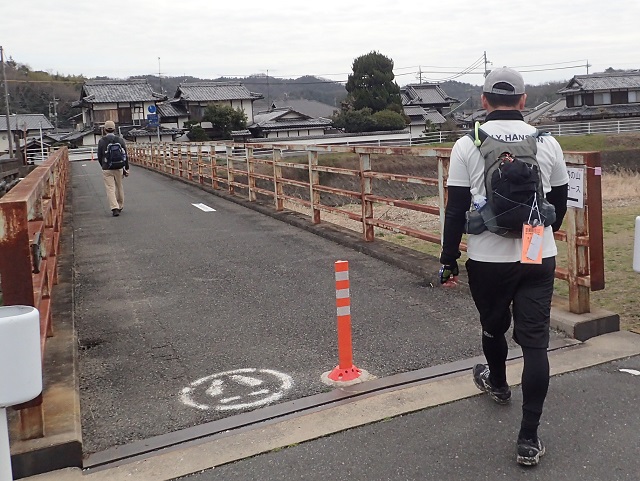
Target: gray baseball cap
506 76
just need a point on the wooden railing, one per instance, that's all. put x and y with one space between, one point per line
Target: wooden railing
258 169
30 225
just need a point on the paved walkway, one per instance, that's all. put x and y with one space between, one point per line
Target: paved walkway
441 429
186 293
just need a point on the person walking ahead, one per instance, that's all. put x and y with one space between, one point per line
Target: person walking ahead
112 156
500 278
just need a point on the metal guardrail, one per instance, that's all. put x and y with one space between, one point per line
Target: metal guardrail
30 226
260 169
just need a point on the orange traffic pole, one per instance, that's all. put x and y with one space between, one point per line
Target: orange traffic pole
345 371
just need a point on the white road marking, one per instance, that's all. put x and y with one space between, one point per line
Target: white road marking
234 384
633 372
204 207
215 389
230 399
246 380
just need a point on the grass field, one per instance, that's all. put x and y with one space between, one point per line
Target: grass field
620 207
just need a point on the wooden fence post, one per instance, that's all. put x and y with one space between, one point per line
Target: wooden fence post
314 179
365 190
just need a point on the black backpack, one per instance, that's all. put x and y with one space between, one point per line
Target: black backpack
115 157
515 194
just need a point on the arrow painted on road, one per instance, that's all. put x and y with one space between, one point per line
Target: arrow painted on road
633 372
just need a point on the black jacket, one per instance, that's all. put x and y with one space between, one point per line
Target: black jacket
102 147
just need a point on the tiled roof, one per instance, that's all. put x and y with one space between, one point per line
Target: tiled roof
32 121
278 113
278 119
425 94
546 111
292 124
145 132
604 81
599 112
172 109
214 91
110 91
418 115
312 108
77 135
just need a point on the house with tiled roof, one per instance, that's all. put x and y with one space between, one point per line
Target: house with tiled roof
281 123
173 114
598 96
20 124
125 102
194 97
425 105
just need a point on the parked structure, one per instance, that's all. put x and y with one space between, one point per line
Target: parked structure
286 123
173 114
23 125
601 96
125 102
194 97
425 105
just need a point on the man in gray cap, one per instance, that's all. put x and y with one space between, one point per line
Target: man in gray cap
112 155
499 279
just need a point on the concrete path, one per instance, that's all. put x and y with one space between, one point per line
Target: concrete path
442 429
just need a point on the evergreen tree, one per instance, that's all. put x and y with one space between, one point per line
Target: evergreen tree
372 84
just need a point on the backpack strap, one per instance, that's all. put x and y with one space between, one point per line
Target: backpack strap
478 135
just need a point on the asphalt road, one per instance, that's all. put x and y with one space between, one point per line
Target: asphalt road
186 316
590 427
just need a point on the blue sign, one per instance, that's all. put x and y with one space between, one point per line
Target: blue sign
151 109
153 120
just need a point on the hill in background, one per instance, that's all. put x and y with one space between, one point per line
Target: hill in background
34 91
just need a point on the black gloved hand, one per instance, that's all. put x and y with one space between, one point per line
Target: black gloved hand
447 271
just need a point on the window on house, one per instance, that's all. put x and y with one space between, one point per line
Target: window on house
619 97
602 98
138 114
634 96
576 100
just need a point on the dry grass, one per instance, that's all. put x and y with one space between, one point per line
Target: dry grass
621 204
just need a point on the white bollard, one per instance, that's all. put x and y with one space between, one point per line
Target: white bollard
20 369
636 247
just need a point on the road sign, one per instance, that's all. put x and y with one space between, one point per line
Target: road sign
153 120
151 109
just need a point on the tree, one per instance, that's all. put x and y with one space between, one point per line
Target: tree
364 121
224 119
389 120
372 84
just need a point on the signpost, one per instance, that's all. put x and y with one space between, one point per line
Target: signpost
153 119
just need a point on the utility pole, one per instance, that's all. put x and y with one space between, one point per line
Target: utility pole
420 73
486 71
6 102
55 113
160 77
268 92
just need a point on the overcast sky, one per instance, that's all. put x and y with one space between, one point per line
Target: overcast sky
547 40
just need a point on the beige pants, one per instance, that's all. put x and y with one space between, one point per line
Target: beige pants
113 186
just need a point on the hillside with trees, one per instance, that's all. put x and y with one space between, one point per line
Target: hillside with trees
36 92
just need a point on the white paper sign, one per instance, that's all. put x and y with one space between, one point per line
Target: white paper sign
575 196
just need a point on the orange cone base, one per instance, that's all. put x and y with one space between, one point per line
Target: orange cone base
348 374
